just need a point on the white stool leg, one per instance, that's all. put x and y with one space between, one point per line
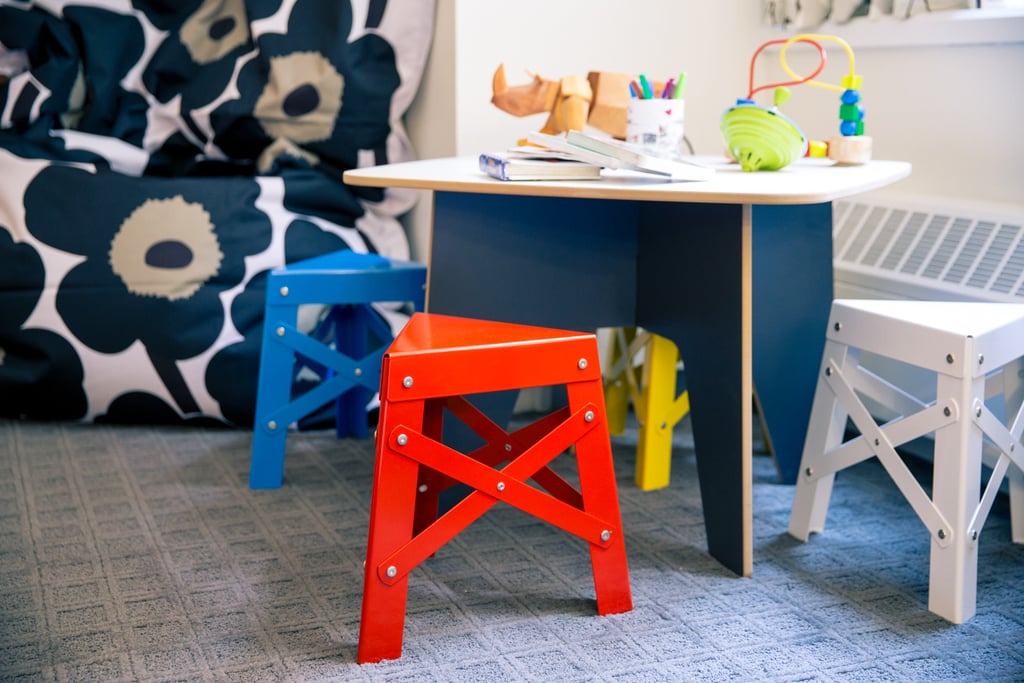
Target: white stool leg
1016 478
825 432
956 488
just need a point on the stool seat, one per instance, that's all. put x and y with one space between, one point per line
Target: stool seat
428 372
965 345
342 351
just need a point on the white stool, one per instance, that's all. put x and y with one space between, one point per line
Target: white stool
962 343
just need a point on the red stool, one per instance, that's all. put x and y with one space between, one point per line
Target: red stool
432 364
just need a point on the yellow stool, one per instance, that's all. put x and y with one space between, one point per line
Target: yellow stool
652 390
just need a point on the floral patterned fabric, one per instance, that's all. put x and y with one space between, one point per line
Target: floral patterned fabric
158 158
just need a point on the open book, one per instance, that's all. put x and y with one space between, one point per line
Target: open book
611 153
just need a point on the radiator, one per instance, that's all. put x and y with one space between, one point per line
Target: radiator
895 246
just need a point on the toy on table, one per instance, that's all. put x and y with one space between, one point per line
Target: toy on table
572 102
764 139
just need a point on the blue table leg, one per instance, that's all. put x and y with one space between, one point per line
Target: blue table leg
693 287
792 270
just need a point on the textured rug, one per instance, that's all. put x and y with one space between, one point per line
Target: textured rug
140 554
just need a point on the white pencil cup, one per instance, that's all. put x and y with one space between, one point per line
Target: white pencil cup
656 124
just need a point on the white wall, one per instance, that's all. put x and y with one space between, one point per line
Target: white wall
954 112
654 37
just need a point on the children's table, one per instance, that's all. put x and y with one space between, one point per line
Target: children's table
736 270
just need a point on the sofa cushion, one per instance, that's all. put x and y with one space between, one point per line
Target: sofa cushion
158 159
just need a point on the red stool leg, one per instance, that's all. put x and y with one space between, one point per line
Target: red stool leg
600 497
392 507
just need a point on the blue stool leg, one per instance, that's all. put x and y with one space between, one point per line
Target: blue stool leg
274 387
365 330
350 338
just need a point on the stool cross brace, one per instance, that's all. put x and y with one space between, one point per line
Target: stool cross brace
501 446
1007 440
347 373
492 485
881 442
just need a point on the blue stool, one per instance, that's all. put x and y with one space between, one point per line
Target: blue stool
344 350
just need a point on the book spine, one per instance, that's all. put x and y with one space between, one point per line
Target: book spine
494 167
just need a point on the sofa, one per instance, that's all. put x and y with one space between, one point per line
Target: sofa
158 159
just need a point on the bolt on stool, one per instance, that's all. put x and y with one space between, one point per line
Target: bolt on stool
964 344
430 368
344 349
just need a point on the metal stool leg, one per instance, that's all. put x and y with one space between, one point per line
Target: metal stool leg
956 483
392 509
617 388
274 387
1017 505
824 435
659 411
657 407
600 497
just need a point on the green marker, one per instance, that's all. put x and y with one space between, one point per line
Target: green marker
646 85
680 86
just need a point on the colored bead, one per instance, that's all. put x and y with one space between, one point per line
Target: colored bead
852 128
817 149
851 112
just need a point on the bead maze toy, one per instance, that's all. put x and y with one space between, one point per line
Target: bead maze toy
764 139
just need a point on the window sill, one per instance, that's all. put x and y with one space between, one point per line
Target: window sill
955 27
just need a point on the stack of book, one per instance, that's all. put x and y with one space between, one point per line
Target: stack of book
581 156
535 163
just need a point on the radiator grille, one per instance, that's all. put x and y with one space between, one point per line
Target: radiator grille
906 247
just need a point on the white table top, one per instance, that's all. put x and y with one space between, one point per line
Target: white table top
806 181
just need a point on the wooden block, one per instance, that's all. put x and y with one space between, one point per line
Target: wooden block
854 149
608 106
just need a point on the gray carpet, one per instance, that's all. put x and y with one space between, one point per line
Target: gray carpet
139 554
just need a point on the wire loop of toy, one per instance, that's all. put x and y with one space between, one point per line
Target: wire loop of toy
813 38
798 79
810 39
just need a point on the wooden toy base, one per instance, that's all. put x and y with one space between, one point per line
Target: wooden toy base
850 149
